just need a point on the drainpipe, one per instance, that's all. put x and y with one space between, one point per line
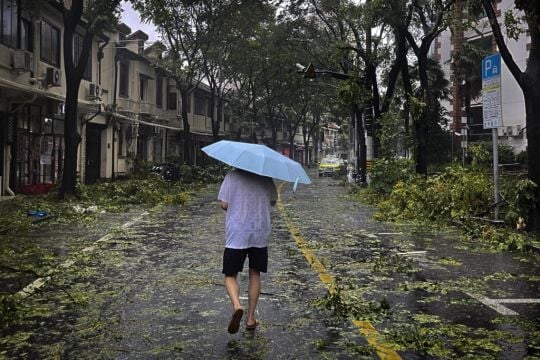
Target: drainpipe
114 111
112 150
100 57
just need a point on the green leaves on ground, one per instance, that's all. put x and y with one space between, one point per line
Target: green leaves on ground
106 196
457 195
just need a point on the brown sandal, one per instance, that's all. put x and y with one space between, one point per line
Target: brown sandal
234 324
252 327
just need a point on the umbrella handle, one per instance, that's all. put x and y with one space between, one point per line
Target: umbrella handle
295 185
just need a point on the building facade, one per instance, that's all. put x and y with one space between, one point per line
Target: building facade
467 121
128 107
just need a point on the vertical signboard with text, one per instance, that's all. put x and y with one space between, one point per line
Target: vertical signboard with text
492 113
491 92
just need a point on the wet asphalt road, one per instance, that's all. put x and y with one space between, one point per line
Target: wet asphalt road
153 289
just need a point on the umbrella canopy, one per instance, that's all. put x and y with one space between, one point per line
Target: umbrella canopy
258 159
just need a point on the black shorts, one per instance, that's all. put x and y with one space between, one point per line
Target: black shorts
233 260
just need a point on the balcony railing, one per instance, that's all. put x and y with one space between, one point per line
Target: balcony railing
137 107
165 114
147 108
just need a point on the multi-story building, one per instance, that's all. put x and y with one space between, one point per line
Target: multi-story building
470 121
32 93
128 107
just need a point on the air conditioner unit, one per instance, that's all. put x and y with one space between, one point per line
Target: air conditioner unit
23 60
54 77
94 91
509 131
518 132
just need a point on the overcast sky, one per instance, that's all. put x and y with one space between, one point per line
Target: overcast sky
132 19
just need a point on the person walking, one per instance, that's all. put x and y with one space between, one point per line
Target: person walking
247 198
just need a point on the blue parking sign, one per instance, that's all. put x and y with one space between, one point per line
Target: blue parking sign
491 92
491 66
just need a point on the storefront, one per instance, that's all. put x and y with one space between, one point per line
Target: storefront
39 151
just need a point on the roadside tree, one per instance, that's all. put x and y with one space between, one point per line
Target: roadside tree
428 21
94 17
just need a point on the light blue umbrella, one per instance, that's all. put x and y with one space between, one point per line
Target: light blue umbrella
258 159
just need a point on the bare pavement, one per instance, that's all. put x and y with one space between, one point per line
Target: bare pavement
147 285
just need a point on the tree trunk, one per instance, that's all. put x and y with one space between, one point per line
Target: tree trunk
371 72
425 118
361 152
274 132
74 75
184 93
213 120
316 138
72 139
219 115
421 131
406 78
531 93
532 105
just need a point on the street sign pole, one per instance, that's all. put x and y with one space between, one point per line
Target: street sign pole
495 136
492 114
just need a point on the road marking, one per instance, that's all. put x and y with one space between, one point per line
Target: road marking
260 298
384 351
519 301
412 253
40 282
496 304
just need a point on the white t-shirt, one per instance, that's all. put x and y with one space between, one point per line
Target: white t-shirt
247 223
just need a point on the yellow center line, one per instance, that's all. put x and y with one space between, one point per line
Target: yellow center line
373 337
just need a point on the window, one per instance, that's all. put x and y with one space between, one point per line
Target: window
159 92
143 83
27 38
8 21
50 44
77 50
200 105
124 79
171 101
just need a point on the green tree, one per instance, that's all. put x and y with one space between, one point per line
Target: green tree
429 20
225 22
367 43
530 86
94 17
